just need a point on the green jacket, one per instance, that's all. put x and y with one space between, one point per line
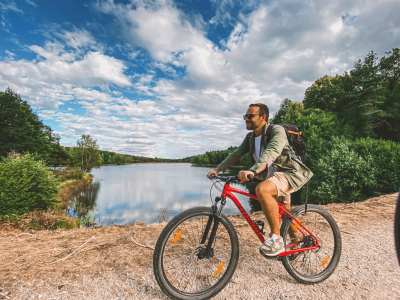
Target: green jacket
277 153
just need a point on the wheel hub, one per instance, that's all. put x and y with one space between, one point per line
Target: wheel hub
200 253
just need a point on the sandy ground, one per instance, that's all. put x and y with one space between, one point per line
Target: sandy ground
105 263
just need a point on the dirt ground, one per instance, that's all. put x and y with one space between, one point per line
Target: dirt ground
105 263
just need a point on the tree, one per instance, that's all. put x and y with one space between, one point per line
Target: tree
361 106
22 131
119 159
87 154
324 93
287 107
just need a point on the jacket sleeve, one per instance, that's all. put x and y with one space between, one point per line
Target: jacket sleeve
236 155
274 148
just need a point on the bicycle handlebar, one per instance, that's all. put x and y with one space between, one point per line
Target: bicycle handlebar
229 178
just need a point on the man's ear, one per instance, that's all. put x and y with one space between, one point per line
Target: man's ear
264 118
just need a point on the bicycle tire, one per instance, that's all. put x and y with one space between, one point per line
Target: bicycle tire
170 231
327 256
397 229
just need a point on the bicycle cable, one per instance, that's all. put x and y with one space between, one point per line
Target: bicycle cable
219 188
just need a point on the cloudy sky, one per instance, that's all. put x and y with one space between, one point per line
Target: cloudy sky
171 79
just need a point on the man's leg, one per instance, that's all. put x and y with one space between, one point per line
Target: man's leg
292 233
266 193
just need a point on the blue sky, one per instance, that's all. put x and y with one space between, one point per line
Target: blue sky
172 78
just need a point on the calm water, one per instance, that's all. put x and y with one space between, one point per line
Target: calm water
135 193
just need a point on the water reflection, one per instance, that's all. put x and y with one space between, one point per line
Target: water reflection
141 192
84 203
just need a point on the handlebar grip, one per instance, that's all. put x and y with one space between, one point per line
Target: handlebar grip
250 176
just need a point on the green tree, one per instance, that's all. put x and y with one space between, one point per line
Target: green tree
86 155
106 157
361 107
119 159
325 92
22 131
287 107
390 69
26 184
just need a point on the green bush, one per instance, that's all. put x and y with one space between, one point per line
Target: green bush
26 185
386 157
342 174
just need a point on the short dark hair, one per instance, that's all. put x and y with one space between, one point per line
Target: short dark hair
264 110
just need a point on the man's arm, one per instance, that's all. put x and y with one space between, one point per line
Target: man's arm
233 157
273 150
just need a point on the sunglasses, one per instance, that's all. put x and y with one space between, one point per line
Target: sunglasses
249 116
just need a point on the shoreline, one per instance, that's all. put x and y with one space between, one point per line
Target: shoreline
141 163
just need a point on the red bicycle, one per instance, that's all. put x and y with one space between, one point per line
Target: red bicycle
197 252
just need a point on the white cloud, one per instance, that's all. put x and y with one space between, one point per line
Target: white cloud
80 38
31 3
10 5
56 75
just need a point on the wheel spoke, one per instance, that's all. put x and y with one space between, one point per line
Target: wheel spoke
311 266
185 267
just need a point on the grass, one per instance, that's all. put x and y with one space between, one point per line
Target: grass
72 183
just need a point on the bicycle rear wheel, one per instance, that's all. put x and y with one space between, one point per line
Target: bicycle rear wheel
180 263
313 266
397 229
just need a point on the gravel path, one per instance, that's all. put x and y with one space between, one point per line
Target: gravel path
368 268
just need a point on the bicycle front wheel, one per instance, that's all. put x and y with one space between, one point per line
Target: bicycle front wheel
313 266
184 267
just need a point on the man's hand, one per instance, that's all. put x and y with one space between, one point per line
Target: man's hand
243 175
215 172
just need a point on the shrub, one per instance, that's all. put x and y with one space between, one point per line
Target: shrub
342 174
386 157
26 185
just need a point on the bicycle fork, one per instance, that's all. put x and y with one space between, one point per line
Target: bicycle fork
216 216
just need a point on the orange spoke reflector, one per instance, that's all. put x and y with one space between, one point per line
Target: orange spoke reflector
219 269
296 225
325 261
176 238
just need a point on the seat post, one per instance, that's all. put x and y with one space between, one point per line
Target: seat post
283 199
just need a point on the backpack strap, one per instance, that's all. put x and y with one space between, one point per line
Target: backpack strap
269 132
306 197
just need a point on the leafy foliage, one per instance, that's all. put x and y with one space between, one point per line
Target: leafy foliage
287 107
386 163
342 174
86 155
212 157
366 98
26 185
23 132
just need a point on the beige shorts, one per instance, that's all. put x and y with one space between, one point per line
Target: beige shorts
282 184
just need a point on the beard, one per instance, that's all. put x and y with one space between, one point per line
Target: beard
250 126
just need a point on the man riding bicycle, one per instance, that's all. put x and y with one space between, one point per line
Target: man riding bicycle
275 165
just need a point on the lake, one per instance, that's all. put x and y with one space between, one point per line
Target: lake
142 192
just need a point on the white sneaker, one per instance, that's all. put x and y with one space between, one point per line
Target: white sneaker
273 245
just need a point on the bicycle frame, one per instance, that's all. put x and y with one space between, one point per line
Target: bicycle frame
227 192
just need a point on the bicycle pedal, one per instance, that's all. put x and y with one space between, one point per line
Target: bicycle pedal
276 257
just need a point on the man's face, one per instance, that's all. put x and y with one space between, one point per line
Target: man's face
254 122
